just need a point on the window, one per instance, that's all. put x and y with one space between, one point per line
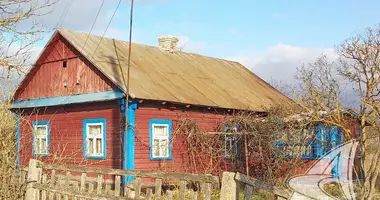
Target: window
230 146
94 138
64 64
327 137
316 143
160 135
41 138
230 142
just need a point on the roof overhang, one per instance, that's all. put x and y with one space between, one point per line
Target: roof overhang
72 99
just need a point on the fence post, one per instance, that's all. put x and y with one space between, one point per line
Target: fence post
34 176
230 187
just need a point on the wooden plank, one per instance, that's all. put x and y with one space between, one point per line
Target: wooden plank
152 174
67 184
137 187
88 179
158 188
248 192
117 185
107 189
90 187
75 187
83 181
169 195
194 195
78 194
51 195
207 191
262 185
99 185
182 190
43 192
126 191
149 193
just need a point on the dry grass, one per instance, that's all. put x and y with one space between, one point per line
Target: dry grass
10 187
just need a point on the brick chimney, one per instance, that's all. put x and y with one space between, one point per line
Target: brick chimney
168 43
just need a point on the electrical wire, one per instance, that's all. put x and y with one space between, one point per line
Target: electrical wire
64 13
93 24
129 61
105 31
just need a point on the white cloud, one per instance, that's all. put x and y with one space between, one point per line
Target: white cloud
185 44
280 62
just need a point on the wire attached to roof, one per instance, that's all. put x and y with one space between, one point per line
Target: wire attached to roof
129 48
105 31
93 24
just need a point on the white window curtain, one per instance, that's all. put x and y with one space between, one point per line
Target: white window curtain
160 134
94 139
40 139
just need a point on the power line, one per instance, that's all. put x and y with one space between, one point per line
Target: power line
93 24
64 13
105 31
129 49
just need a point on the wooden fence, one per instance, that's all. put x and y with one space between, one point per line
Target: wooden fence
233 183
72 182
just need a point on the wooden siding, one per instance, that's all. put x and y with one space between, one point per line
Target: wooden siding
66 135
49 78
206 120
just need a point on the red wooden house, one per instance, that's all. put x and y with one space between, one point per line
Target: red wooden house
72 106
73 100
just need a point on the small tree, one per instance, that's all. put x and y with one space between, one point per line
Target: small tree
20 28
360 64
321 92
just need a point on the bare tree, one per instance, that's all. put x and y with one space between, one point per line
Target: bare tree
360 64
321 96
20 28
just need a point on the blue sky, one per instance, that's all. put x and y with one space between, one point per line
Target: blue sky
271 38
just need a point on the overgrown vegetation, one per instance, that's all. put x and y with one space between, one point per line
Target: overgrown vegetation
251 147
20 29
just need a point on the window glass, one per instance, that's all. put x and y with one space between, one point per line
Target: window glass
40 137
95 139
160 134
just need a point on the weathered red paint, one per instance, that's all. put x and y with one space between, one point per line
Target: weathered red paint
208 121
49 78
66 136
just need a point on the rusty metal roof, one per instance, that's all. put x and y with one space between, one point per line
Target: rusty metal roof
180 77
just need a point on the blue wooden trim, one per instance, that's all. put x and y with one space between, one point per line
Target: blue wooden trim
318 151
36 123
123 111
95 120
160 121
17 118
130 140
65 100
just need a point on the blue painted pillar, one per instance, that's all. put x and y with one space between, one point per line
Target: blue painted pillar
318 147
17 139
128 138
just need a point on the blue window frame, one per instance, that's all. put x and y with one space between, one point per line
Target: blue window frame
40 138
230 142
325 138
160 132
94 138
